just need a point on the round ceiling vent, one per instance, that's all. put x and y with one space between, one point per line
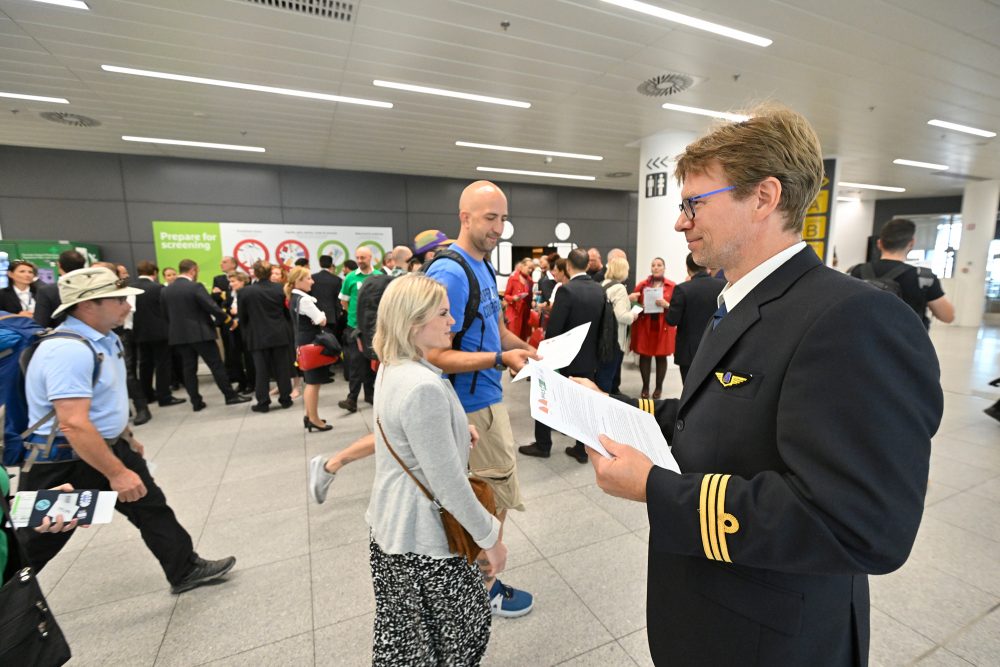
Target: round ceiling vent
71 119
665 84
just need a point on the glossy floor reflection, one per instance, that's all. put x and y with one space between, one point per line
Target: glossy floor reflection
301 591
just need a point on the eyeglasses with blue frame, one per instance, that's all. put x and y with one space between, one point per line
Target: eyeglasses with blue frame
687 205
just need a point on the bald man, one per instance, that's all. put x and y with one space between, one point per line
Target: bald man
401 254
359 371
477 359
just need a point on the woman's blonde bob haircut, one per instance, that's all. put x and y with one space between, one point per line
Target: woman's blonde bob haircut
409 302
617 269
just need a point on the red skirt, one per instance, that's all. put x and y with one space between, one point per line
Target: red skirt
652 336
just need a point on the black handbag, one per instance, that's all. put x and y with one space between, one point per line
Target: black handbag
29 634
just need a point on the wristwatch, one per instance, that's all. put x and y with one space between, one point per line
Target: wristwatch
498 362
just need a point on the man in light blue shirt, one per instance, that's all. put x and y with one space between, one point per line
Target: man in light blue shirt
92 447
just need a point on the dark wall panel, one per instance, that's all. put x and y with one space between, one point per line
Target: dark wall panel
197 182
532 201
580 204
79 220
51 174
433 195
887 209
352 190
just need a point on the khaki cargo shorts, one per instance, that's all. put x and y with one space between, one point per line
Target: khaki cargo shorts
494 458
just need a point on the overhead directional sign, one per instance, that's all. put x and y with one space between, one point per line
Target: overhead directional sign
657 163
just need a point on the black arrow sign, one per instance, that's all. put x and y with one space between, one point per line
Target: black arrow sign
656 163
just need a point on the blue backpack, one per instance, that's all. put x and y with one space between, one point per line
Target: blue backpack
19 338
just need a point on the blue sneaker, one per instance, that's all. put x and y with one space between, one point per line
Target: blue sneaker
508 601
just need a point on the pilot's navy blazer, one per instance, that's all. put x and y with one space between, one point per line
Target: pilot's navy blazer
803 433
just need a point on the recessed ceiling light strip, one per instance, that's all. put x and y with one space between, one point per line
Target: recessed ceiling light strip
922 165
724 115
692 22
451 93
246 86
530 151
866 186
74 4
546 174
961 128
194 144
35 98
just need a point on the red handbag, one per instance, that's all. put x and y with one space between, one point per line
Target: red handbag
312 356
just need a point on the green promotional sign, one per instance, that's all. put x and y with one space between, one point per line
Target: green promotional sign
197 241
45 254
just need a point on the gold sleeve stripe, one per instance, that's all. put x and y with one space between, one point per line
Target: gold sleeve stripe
713 539
716 523
727 522
646 405
703 515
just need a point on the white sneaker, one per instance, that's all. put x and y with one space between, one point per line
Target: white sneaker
319 478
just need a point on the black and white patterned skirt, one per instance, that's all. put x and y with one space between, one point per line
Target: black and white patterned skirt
428 611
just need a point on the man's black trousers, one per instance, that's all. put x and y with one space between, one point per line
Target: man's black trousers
160 530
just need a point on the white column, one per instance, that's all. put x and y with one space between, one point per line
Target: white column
979 218
855 221
657 212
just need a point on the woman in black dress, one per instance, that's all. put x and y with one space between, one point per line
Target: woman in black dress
309 320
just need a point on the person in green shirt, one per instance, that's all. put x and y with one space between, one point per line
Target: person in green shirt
359 371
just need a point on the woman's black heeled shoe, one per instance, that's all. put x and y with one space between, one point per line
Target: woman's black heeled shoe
317 427
305 422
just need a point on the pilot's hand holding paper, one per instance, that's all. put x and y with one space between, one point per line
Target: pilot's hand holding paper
624 474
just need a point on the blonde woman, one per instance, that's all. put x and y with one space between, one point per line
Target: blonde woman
609 375
308 321
430 606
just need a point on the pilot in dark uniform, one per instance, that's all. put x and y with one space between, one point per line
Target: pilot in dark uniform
803 431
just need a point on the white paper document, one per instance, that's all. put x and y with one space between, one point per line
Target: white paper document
649 298
636 309
584 414
558 352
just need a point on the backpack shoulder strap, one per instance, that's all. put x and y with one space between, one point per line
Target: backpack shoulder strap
472 303
896 272
867 271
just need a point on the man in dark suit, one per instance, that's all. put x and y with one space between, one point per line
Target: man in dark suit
149 329
267 334
191 320
691 307
47 297
802 434
326 289
222 295
579 301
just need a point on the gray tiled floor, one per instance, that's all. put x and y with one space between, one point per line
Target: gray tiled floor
301 593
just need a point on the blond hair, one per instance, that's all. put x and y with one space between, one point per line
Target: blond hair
407 304
617 269
775 141
294 276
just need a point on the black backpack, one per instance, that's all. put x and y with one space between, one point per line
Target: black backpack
886 282
471 305
369 296
607 334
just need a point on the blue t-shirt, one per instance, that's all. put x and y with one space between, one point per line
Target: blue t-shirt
478 338
64 368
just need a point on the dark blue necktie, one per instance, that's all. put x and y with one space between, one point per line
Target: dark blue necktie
719 314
